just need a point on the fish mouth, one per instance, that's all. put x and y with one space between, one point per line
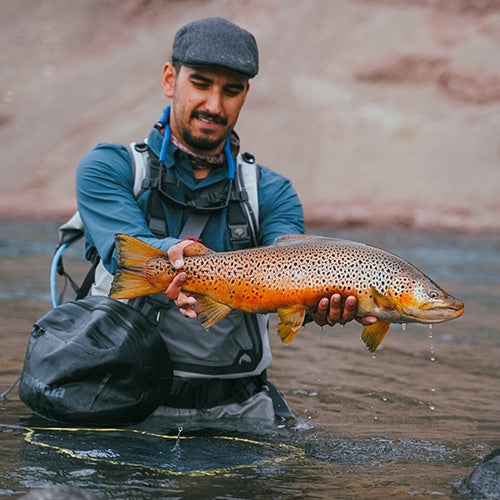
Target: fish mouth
436 313
433 312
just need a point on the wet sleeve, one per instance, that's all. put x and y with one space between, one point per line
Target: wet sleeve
107 205
280 210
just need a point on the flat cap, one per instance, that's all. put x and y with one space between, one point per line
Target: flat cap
217 42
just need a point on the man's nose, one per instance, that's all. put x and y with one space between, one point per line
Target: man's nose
213 103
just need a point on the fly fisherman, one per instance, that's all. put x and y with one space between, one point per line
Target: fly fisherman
192 192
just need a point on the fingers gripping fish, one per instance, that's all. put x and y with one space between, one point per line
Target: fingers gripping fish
289 277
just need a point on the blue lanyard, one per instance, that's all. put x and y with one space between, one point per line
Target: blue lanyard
166 140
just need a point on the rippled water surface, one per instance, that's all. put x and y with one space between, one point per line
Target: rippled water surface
410 422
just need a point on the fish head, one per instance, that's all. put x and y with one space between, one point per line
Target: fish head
417 298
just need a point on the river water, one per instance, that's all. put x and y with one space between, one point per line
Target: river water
411 422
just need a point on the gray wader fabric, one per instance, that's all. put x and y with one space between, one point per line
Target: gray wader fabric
259 406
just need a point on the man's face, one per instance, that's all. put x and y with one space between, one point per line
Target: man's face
205 107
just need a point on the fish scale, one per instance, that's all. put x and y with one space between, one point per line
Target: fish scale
290 277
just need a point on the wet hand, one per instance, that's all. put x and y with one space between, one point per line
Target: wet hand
332 311
182 300
176 253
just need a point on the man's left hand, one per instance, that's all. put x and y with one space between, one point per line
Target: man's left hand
332 311
182 300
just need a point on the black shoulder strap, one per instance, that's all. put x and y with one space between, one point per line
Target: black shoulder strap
242 218
157 222
147 175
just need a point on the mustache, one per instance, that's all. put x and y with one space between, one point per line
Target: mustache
221 120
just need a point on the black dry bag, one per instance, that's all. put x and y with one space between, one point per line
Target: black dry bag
95 361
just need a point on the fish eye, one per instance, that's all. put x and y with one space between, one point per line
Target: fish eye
433 294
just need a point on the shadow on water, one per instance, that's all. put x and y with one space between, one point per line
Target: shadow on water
412 421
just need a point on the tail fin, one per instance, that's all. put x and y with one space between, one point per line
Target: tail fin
130 280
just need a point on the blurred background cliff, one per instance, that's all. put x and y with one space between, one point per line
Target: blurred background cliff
381 112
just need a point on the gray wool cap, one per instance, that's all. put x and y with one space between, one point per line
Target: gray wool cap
217 42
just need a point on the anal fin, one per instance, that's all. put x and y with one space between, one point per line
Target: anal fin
373 335
292 319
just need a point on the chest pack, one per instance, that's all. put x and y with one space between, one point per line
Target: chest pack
239 198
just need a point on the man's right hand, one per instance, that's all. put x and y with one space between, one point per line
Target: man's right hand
182 300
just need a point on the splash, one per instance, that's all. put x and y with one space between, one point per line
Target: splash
177 444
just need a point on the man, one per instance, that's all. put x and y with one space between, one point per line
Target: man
220 372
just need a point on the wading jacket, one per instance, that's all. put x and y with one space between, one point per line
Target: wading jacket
238 345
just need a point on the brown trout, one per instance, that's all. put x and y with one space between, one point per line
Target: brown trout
289 277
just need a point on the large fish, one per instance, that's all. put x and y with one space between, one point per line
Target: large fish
289 277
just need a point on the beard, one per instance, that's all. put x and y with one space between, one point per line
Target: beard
203 142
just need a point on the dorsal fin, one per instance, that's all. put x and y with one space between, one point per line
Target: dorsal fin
196 249
294 238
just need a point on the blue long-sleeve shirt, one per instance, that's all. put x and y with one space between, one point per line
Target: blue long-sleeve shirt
107 204
237 346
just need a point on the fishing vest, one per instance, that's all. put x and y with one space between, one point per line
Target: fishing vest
241 199
238 345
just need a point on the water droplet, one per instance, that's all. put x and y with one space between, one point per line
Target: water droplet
433 389
178 440
433 358
403 326
374 356
431 407
384 398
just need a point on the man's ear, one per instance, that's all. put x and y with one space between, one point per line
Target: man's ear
168 79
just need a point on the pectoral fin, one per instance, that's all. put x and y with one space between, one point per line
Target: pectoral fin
291 320
373 335
210 311
381 300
